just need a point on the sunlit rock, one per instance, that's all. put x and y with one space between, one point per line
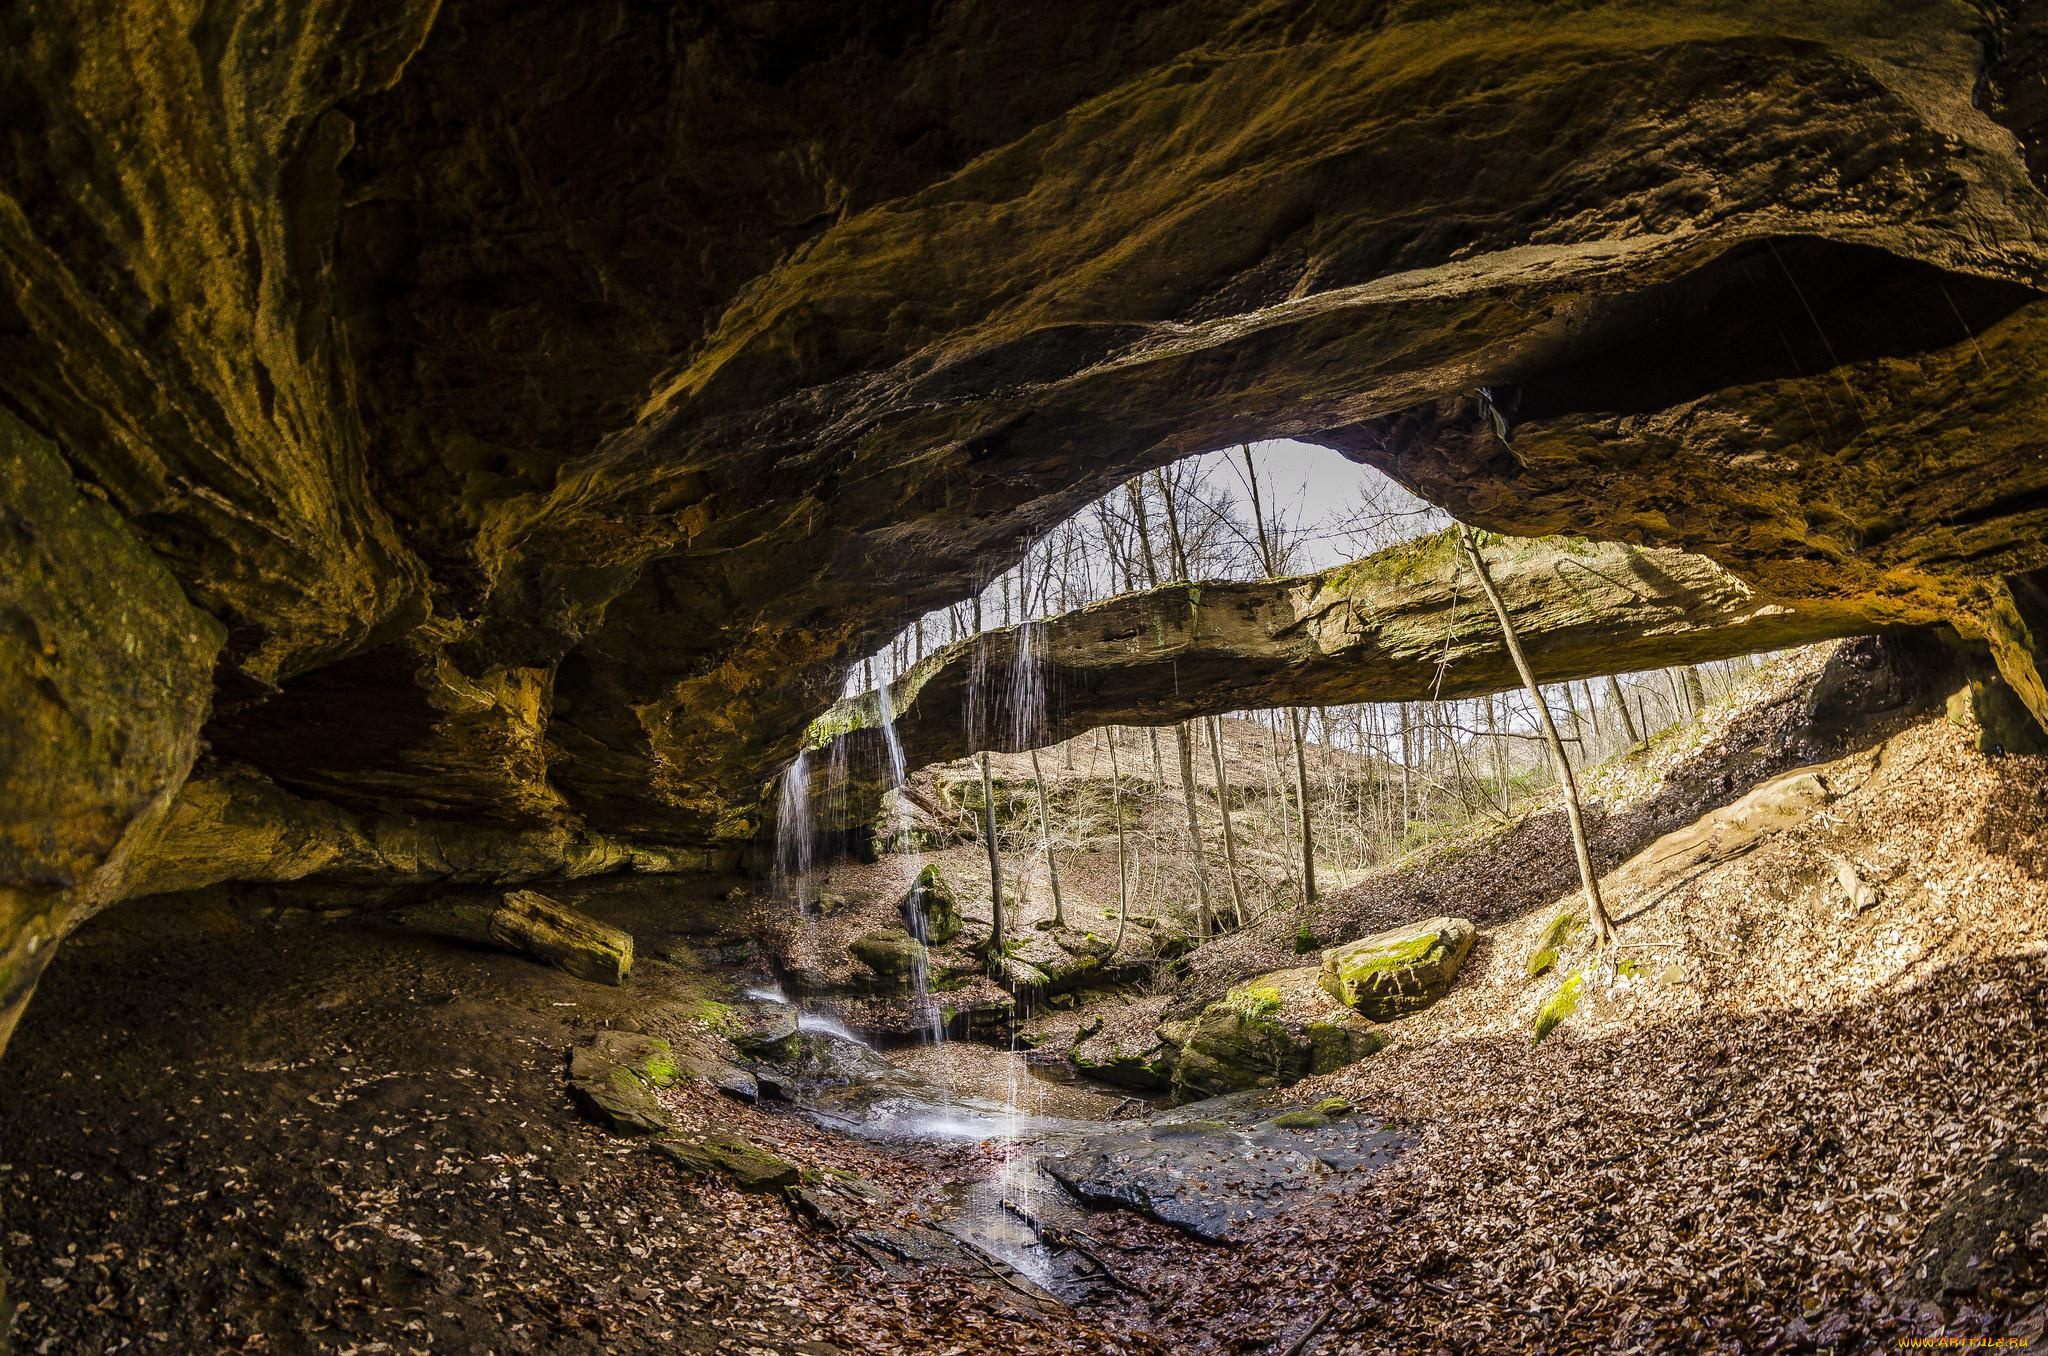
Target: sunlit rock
1398 972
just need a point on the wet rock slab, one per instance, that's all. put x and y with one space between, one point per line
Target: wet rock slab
1217 1166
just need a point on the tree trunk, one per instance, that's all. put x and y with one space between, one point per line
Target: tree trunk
1603 926
557 935
995 857
1407 773
1223 810
1052 869
1123 888
1205 918
1628 722
1578 722
1301 810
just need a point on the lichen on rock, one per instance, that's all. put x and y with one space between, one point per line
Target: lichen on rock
1398 972
1269 1031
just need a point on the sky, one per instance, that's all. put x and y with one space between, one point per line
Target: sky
1317 489
1322 497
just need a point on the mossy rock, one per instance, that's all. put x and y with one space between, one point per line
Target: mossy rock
613 1076
1398 972
1300 1120
1562 1004
1332 1107
1560 931
1149 1071
1332 1045
1306 943
1148 1067
1254 999
892 954
931 908
767 1031
1267 1032
749 1166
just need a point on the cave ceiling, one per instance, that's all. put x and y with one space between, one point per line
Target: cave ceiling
540 407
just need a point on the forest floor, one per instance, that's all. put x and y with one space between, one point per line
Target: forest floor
1800 1121
1799 1126
226 1129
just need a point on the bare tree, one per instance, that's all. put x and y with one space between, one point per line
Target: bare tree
995 856
1123 882
1603 926
1628 721
1052 868
1223 805
1270 562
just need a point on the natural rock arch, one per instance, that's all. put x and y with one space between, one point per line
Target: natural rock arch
538 410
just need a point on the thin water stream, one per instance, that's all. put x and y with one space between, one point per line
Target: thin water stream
1013 1115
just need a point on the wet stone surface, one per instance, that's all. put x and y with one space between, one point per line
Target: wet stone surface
1215 1166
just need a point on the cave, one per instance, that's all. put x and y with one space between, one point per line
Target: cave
1283 676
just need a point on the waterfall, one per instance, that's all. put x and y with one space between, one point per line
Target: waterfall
974 704
899 841
1024 688
793 831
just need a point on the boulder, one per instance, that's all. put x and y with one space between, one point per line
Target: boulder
895 957
613 1076
749 1166
1398 972
705 1061
765 1030
1267 1032
931 911
534 925
1049 960
1210 1175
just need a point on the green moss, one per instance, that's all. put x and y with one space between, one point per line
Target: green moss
1300 1120
1305 941
1426 557
1253 1000
1332 1106
1562 1004
843 718
715 1016
1551 944
1355 968
1562 928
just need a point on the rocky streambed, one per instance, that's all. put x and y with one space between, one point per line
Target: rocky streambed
1047 1151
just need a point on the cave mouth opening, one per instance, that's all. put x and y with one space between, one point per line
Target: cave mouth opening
1261 509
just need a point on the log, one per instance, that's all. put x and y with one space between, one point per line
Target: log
554 934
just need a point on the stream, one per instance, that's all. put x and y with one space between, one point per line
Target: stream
1021 1157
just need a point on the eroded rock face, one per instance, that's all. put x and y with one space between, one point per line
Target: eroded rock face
104 668
539 408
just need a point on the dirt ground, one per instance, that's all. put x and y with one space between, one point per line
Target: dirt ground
220 1132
